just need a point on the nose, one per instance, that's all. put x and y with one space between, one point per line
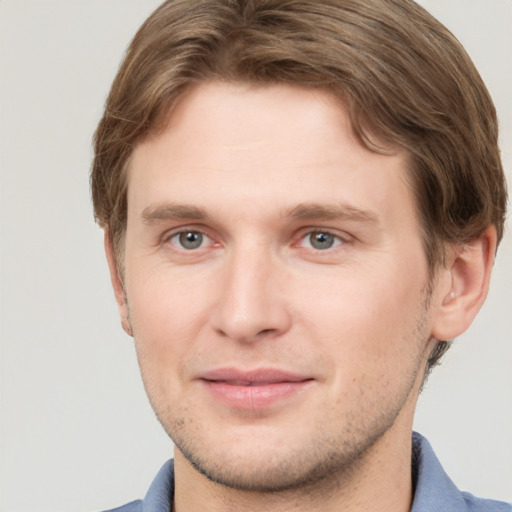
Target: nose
252 302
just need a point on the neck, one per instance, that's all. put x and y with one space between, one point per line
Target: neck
378 481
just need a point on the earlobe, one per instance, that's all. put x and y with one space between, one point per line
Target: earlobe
468 272
117 284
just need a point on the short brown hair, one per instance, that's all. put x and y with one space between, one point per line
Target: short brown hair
404 78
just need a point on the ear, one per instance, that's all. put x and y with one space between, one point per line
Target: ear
117 284
466 280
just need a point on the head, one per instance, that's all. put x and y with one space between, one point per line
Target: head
405 87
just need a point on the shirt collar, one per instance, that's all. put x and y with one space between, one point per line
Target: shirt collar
160 495
435 491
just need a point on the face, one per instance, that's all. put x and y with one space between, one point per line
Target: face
276 285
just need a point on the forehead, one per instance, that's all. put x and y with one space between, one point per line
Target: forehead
236 143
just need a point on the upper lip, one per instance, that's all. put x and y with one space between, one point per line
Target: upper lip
259 376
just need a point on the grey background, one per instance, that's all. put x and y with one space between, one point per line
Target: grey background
76 431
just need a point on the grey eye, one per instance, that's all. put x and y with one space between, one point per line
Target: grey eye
320 241
189 239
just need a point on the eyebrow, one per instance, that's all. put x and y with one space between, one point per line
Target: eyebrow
313 211
170 211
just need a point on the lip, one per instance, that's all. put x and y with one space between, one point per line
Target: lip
255 389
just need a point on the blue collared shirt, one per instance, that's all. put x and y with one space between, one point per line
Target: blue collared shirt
435 492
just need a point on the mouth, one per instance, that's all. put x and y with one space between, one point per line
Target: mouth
254 390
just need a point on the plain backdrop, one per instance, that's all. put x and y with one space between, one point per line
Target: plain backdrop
77 433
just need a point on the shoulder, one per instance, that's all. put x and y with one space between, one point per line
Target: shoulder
133 506
475 504
436 491
159 496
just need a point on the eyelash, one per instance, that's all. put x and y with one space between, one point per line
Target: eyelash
185 232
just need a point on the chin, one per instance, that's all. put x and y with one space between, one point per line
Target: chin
274 465
262 472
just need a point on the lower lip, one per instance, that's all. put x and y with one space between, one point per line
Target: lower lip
257 396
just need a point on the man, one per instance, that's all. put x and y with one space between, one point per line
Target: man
302 201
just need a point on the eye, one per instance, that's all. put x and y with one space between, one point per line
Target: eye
320 240
189 240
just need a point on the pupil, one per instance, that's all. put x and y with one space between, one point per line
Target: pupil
191 240
322 240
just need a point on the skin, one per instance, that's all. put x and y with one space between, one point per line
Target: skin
258 172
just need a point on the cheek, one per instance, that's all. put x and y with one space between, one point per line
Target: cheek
160 333
362 302
166 314
369 323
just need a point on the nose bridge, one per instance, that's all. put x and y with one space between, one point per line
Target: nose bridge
251 305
